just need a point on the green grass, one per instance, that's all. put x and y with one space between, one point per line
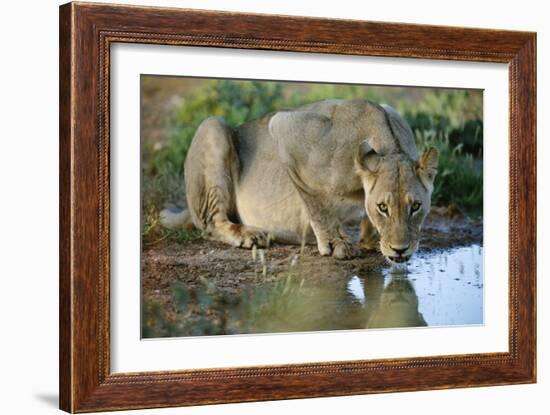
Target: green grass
450 120
152 232
460 178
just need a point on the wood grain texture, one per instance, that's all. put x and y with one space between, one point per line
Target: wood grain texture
86 33
65 247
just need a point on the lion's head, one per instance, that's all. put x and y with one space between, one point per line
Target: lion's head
397 198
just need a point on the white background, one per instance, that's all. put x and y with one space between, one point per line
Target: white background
29 208
129 354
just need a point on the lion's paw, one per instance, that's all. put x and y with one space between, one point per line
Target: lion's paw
339 249
345 250
247 237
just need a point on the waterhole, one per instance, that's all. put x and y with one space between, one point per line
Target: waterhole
437 288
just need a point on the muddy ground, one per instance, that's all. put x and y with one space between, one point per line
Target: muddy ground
201 262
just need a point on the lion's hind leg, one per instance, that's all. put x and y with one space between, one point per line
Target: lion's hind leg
211 170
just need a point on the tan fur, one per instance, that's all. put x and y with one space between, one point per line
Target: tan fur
398 183
305 173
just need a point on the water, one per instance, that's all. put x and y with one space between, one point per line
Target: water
442 288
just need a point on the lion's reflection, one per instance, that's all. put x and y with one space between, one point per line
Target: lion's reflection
294 303
395 305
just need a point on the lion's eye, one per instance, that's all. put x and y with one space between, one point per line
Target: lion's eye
415 206
382 207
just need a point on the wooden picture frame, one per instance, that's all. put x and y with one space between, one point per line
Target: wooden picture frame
86 33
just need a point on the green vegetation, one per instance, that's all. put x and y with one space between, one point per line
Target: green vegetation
152 232
450 120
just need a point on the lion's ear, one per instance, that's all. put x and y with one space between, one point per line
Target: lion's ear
366 159
427 167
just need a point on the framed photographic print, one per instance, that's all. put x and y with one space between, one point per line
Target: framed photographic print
259 207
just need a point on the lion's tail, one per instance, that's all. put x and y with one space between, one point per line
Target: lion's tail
173 218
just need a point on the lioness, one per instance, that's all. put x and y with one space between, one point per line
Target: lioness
304 174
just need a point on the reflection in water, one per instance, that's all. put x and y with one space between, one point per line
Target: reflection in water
441 288
397 306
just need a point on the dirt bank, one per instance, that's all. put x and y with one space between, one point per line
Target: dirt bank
201 262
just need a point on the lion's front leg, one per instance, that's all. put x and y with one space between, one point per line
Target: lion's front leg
322 212
334 241
329 232
306 146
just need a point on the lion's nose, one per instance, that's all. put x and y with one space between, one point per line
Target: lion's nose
400 250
